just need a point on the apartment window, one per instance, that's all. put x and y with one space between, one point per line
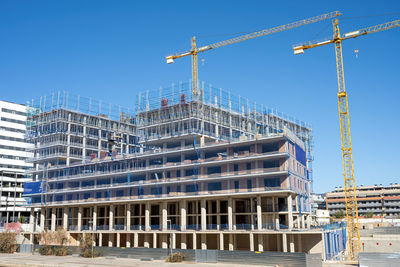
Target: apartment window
189 172
119 193
12 148
8 138
59 198
214 186
156 191
98 194
248 166
191 188
86 195
11 111
12 120
12 130
272 182
235 167
212 170
69 197
249 186
236 185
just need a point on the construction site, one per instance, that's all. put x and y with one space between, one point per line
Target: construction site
189 168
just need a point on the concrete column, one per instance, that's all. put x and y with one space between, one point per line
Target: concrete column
203 241
154 240
100 239
299 245
164 240
291 243
128 217
284 242
251 238
80 218
173 241
32 220
65 218
259 214
110 240
218 214
147 217
230 221
290 212
194 241
146 241
53 219
221 241
111 218
94 219
164 216
303 222
118 240
135 240
260 243
308 221
203 215
183 241
230 242
128 240
42 219
277 227
183 213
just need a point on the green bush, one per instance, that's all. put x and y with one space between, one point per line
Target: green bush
46 250
22 219
175 257
61 251
87 253
86 247
8 242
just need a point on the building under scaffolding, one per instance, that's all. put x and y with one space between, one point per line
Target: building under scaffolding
214 170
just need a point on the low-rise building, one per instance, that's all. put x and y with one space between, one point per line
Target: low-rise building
376 200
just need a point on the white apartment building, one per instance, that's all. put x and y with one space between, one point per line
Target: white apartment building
13 154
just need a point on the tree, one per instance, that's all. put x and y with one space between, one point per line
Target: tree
340 214
369 215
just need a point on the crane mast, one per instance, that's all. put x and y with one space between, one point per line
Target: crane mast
350 193
353 230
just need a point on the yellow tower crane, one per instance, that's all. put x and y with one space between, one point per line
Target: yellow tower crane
194 50
347 154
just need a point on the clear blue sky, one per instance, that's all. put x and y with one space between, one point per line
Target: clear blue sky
111 50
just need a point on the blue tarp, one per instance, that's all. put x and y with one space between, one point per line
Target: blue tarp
300 155
32 188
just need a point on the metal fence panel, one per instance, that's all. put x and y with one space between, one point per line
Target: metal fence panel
368 259
206 256
25 248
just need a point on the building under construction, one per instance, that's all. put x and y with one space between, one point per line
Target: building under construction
211 169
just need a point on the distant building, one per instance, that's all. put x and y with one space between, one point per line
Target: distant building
317 202
13 153
377 200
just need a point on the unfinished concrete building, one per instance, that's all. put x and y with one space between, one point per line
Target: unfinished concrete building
212 170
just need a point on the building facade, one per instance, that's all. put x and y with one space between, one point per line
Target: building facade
14 152
210 169
377 200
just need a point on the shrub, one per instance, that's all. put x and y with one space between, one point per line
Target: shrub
22 219
175 257
87 253
85 246
8 242
46 250
60 251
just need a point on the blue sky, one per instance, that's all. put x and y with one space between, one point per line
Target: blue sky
111 50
